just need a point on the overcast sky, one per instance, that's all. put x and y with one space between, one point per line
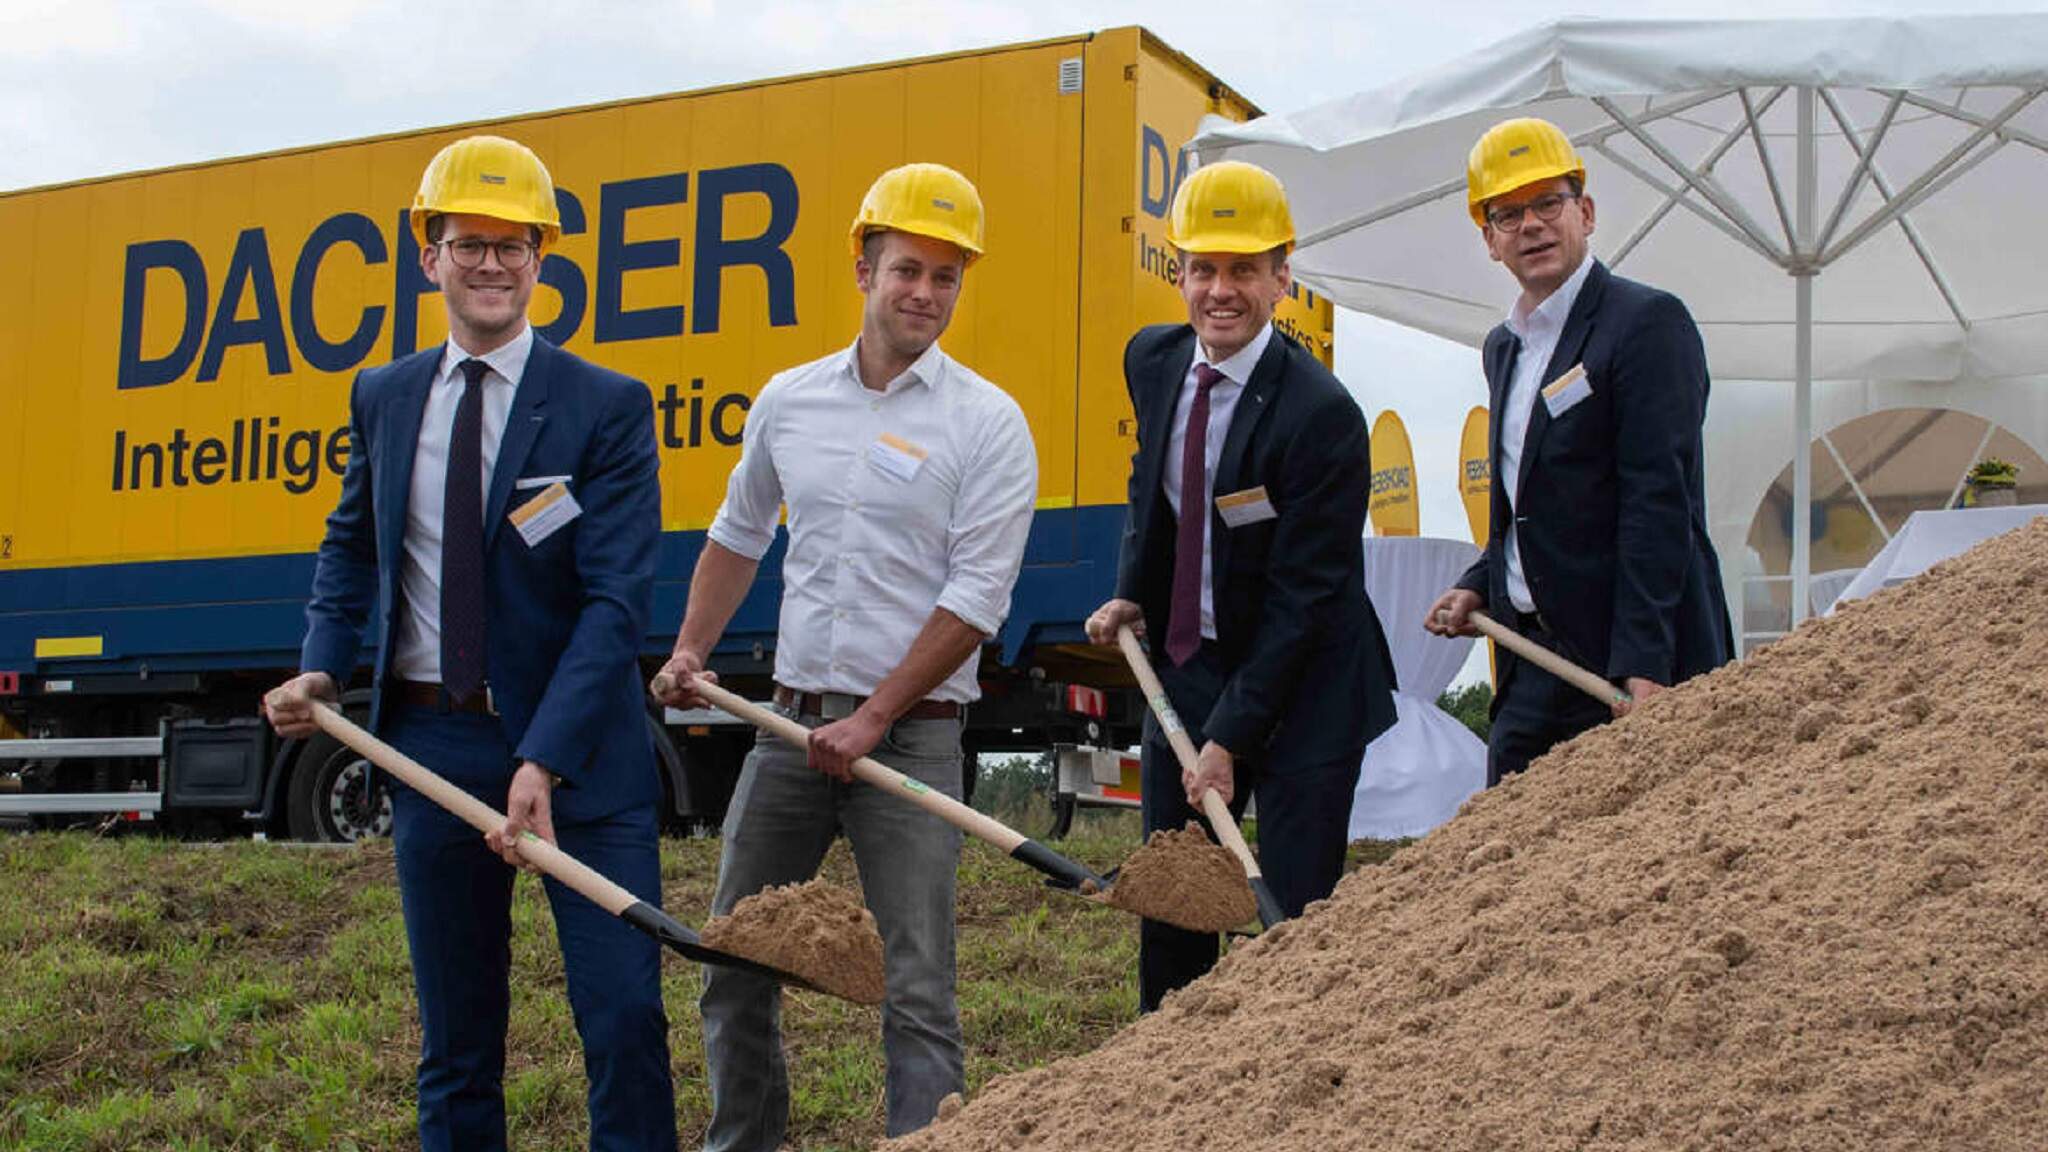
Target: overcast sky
91 87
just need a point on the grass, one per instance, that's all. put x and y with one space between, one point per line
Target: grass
253 996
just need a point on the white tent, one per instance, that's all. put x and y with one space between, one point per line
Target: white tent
1845 199
1417 772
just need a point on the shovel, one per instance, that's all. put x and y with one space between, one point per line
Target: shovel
1063 872
1213 807
1594 686
536 851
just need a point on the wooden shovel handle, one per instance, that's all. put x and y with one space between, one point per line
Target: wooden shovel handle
1594 686
871 771
474 812
1183 748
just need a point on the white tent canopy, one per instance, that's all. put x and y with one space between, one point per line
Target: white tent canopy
1833 199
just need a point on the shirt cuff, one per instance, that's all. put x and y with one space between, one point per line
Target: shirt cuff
733 538
975 615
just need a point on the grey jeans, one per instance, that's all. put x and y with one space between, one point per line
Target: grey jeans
783 817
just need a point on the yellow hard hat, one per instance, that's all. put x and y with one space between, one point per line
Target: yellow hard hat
1514 154
488 176
925 200
1230 207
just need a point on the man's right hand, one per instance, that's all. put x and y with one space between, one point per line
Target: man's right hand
1102 625
1451 615
289 706
676 684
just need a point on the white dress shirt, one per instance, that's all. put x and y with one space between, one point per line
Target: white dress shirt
871 552
416 649
1223 397
1538 329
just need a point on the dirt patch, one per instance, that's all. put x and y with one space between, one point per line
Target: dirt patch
1795 904
1185 879
815 930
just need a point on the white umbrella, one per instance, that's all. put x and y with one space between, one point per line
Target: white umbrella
1900 163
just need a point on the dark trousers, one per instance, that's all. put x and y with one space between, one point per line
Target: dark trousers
1537 711
458 927
1304 815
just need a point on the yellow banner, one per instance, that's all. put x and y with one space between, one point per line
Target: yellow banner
1475 475
1394 510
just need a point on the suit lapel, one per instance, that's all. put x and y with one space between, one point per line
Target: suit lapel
522 427
1570 343
1172 369
1250 411
1499 366
398 447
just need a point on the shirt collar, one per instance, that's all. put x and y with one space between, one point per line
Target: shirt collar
928 369
1239 364
1550 315
507 359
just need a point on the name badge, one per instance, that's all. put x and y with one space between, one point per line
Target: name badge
1563 393
897 457
1247 507
545 514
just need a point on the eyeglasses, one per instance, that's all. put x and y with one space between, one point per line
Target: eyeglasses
1508 218
468 252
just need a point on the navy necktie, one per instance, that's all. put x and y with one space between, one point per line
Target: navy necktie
1184 614
462 544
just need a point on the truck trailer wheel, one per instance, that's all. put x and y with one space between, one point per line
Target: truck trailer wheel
333 799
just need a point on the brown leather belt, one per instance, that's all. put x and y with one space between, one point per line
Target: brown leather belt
423 694
813 704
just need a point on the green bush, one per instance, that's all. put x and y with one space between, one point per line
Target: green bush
1469 704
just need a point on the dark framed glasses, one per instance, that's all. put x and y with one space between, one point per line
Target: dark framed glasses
468 252
1508 217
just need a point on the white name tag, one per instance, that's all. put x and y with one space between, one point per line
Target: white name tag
896 456
545 514
1561 394
528 483
1247 507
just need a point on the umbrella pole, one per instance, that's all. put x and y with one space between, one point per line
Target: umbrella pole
1808 210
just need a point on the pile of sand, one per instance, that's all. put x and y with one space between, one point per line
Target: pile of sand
1801 903
819 932
1184 878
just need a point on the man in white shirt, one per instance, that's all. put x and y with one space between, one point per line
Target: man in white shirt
910 483
1598 548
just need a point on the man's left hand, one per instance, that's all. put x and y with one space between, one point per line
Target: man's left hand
529 807
834 747
1214 768
1639 690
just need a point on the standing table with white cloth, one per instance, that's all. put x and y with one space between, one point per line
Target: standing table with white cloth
1931 537
1419 771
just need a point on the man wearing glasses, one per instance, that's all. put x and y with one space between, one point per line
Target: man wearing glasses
501 504
1598 548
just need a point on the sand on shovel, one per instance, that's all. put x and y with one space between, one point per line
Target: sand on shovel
819 932
1183 878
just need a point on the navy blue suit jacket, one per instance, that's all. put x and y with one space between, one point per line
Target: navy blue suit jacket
1312 678
1613 523
565 616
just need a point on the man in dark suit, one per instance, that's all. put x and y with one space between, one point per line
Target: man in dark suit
1243 560
501 503
1598 548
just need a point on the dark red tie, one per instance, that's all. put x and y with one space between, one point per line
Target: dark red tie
462 544
1184 618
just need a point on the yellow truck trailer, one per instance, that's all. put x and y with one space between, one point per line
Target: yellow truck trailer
180 344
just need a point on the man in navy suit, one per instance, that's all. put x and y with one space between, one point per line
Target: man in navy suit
1598 548
501 504
1243 560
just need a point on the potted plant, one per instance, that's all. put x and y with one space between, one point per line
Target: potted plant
1992 482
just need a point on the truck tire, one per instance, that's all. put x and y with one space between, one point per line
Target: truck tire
332 799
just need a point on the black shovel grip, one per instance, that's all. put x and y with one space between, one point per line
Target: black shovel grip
1063 872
